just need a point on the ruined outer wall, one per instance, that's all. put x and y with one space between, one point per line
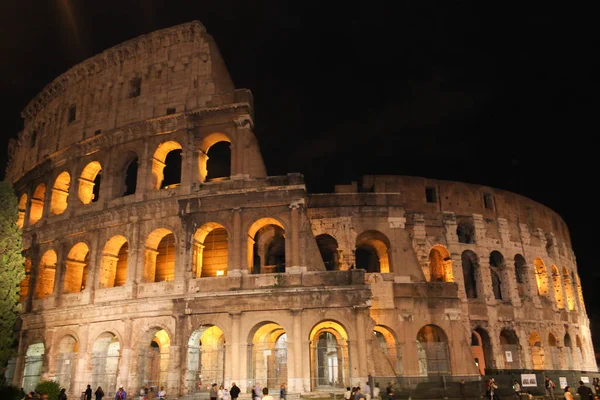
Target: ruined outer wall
177 68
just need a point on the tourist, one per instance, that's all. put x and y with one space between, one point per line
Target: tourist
549 386
88 393
282 392
266 395
463 389
234 392
213 393
99 393
347 393
258 391
517 389
584 392
568 394
121 394
62 395
220 393
162 394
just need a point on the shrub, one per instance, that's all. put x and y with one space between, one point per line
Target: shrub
10 392
52 388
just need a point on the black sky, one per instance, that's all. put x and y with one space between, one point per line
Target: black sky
499 94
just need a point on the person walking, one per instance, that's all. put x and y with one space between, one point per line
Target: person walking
568 394
99 393
584 392
549 386
282 392
517 389
162 394
62 395
266 395
214 393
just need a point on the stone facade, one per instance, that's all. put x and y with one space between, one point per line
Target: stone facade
138 278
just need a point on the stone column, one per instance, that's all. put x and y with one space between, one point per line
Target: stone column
295 235
362 371
237 242
125 358
485 280
232 371
295 356
83 362
59 272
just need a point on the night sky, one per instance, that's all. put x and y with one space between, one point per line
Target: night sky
502 96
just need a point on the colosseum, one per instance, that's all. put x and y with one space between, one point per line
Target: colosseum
160 253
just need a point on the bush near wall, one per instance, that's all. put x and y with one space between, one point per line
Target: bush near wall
51 388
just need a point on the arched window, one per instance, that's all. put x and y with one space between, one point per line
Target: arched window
206 356
22 208
558 289
329 355
66 361
387 359
509 345
440 264
541 277
568 289
268 355
76 271
153 358
328 247
36 209
470 267
46 275
211 251
465 231
218 162
372 248
159 256
114 262
34 362
89 183
481 348
266 247
522 276
60 193
537 352
105 361
432 346
166 165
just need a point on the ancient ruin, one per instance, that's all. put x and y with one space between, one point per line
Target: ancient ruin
159 251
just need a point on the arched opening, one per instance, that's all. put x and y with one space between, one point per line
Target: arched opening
579 354
558 290
499 276
66 360
218 163
115 257
153 359
266 247
554 356
440 264
131 172
60 193
372 248
568 289
329 359
470 268
481 348
569 351
432 350
328 247
214 157
76 268
387 355
210 251
465 231
267 356
159 256
34 361
206 358
509 344
537 352
89 182
36 210
46 274
577 283
541 277
166 166
24 286
521 275
105 363
22 208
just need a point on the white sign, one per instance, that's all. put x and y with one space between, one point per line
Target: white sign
585 379
528 380
562 381
508 356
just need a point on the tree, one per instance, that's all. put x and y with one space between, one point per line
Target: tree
12 271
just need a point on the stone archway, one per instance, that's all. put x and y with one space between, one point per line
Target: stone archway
432 347
329 356
105 362
66 360
387 353
267 356
206 358
210 251
34 362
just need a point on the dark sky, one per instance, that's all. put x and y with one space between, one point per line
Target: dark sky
497 94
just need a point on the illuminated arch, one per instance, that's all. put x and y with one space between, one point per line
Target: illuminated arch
89 182
432 350
76 271
24 286
153 358
440 264
36 209
60 193
580 354
210 250
537 351
268 355
159 256
66 358
115 259
22 208
568 289
105 361
266 246
46 275
125 183
328 248
372 252
541 277
206 354
558 288
159 162
329 355
209 141
387 355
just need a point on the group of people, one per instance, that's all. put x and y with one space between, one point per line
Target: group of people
259 393
356 393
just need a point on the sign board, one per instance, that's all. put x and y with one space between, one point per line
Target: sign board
585 379
562 381
528 380
508 356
